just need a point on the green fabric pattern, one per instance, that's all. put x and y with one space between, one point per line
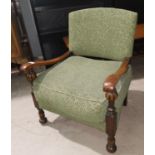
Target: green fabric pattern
74 89
102 32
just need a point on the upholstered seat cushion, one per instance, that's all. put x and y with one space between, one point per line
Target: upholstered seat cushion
74 88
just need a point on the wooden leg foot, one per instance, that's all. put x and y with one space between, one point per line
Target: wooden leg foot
42 117
111 146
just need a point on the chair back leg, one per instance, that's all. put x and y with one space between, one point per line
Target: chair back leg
125 103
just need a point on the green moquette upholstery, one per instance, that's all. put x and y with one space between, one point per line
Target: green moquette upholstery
106 33
74 87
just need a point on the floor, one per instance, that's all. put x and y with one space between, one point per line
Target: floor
62 136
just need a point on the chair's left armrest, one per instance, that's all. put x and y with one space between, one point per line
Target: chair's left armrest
39 63
27 68
109 86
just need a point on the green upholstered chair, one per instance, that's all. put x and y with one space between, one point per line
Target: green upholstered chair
90 82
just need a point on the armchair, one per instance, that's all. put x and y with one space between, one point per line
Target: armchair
89 84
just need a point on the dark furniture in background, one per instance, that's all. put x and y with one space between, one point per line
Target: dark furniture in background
20 49
51 21
137 5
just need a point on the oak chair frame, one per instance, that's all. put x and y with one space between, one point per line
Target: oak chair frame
109 88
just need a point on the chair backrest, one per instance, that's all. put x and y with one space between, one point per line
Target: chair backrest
102 32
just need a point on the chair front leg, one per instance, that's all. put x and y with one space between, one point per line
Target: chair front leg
111 122
31 76
42 118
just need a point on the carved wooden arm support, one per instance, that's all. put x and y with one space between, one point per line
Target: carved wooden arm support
27 68
111 94
110 83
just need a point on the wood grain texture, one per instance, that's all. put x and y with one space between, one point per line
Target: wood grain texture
111 121
109 88
15 41
16 47
29 65
111 126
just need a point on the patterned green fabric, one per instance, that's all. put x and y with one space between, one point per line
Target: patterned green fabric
74 89
102 32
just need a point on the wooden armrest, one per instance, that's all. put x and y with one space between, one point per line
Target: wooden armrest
111 81
30 65
139 34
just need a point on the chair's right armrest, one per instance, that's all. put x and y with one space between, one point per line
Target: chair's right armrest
109 86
